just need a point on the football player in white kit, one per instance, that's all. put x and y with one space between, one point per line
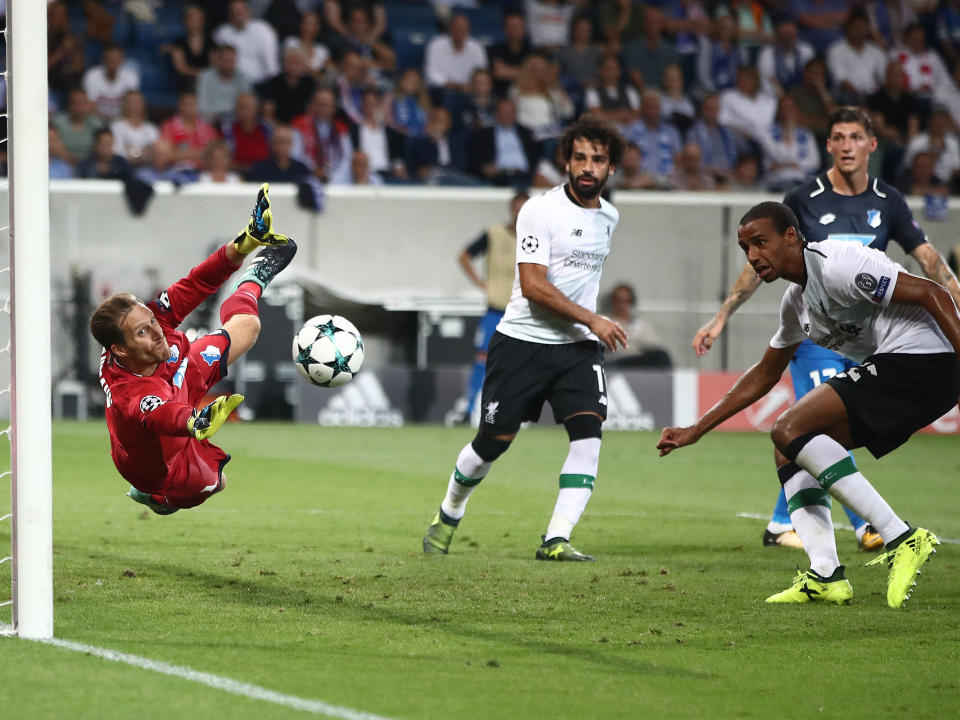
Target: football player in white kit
550 343
904 331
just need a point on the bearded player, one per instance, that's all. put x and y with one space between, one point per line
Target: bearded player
154 377
549 344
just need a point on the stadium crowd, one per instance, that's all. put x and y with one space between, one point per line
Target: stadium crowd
710 95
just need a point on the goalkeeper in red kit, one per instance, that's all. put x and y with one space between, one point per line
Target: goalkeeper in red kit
154 377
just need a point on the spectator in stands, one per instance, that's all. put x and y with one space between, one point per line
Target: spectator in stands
324 138
286 95
432 157
480 107
611 97
77 126
781 62
924 69
219 85
580 60
133 134
542 104
688 23
644 348
659 141
65 61
552 171
790 152
676 106
507 57
889 20
450 60
247 136
745 109
652 53
620 22
814 102
505 153
315 54
549 22
746 175
754 25
383 145
819 21
255 41
941 142
281 166
719 57
187 132
163 166
60 166
219 169
688 172
899 109
351 82
856 65
408 104
107 83
948 31
360 170
190 54
919 178
336 13
283 15
630 174
718 143
377 54
103 163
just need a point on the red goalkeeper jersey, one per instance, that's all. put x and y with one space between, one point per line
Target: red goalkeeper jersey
147 415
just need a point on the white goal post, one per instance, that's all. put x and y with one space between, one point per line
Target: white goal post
30 400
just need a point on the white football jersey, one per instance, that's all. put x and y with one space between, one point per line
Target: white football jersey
845 306
572 241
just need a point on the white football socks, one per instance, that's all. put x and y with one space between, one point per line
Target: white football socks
576 485
469 471
812 523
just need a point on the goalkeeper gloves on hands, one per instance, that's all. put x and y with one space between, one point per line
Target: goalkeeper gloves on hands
259 230
206 421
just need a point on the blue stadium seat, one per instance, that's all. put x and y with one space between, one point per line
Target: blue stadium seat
410 17
156 77
410 48
486 23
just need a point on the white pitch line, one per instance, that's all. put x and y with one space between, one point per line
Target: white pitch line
839 526
317 707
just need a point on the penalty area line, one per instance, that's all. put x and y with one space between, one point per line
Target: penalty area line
235 687
838 526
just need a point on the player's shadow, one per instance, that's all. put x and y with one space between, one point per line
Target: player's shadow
239 591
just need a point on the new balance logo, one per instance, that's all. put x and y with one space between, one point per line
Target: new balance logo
361 403
577 232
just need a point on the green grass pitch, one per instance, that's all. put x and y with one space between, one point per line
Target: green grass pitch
306 577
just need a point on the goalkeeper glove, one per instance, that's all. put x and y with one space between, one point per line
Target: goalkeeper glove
259 230
206 421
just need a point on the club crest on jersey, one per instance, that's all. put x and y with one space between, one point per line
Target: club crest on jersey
529 244
211 354
491 413
150 403
174 354
827 219
873 218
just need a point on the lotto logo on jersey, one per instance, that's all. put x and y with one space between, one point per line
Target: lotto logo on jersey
210 355
163 301
529 244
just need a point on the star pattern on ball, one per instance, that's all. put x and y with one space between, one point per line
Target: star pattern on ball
303 358
339 364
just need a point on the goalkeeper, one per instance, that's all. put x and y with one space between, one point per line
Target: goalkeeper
154 377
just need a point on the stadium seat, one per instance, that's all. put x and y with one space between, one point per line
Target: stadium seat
486 23
410 48
411 17
156 78
167 28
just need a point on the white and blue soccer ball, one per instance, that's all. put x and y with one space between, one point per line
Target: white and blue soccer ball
328 350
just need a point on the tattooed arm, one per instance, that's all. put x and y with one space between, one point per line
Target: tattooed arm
742 289
935 268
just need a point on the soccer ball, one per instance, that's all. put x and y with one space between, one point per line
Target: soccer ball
328 350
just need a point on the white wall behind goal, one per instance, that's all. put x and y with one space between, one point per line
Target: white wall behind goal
398 247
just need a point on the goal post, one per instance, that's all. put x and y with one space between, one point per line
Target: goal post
30 379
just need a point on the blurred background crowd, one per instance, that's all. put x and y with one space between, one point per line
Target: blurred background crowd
729 95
